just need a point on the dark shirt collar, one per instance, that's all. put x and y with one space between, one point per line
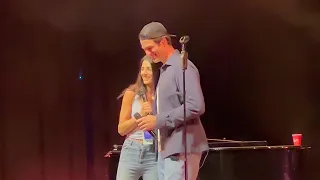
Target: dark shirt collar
172 59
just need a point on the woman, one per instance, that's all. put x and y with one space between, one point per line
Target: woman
137 156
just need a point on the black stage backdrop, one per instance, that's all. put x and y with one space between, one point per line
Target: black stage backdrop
63 63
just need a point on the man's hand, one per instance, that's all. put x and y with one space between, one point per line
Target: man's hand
147 123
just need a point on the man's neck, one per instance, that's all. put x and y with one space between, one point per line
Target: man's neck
170 51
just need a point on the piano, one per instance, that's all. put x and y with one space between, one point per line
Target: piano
241 160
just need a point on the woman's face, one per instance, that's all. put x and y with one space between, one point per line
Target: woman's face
146 72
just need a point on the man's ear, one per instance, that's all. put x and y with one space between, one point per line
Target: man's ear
164 42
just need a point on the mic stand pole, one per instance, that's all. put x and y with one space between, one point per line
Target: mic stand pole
184 56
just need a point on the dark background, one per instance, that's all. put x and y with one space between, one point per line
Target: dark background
259 65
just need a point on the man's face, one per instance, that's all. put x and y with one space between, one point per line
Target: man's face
152 49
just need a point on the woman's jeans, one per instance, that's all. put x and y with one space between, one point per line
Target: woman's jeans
137 160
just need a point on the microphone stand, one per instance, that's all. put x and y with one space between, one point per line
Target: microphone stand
184 57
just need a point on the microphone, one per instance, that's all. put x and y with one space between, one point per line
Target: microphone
184 54
138 116
144 97
142 94
184 39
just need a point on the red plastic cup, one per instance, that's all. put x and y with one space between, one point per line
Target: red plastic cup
297 139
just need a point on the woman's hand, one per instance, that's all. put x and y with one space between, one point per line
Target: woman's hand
146 109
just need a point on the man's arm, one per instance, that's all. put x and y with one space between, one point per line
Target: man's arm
195 105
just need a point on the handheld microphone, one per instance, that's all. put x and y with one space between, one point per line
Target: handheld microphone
144 98
142 94
138 116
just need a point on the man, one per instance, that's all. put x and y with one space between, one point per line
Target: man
169 118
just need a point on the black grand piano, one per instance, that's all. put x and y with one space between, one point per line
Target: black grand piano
242 160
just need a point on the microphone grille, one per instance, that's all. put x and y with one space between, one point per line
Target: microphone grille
137 115
142 91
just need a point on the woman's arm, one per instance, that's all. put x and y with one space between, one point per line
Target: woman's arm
126 123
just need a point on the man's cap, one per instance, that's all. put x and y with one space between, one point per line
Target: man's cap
153 30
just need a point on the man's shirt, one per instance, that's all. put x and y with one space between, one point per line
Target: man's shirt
169 103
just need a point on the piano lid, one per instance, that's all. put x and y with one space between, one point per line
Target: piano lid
280 147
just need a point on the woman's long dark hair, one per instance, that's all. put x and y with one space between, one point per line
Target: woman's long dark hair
139 82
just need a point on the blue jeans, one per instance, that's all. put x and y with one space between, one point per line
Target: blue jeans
137 160
172 168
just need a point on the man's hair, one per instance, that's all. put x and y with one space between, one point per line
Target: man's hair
158 40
